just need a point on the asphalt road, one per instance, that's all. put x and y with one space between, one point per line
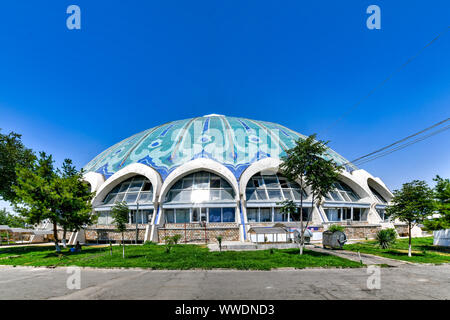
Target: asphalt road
404 282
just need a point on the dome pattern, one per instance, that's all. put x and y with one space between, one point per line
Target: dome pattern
234 142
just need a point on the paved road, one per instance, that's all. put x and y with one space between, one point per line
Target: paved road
404 282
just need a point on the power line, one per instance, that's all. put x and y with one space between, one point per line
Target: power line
401 140
382 83
403 146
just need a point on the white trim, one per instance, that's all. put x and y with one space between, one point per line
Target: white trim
95 180
125 173
197 165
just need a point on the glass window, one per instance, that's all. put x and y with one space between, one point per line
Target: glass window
266 214
147 186
356 214
275 194
279 216
124 187
135 186
228 215
332 214
346 213
182 216
200 187
251 194
287 194
170 216
261 194
377 195
271 181
227 194
103 218
120 197
130 190
187 183
252 215
215 215
145 197
131 197
195 214
215 195
110 198
336 196
215 182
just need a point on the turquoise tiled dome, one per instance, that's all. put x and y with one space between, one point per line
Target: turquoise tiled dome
234 142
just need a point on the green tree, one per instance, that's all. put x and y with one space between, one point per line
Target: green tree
75 199
412 204
59 196
11 220
12 154
119 213
442 202
306 163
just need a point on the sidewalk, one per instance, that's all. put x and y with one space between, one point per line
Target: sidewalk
367 259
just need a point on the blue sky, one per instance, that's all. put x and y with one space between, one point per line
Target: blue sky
137 64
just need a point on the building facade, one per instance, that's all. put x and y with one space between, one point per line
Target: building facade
217 175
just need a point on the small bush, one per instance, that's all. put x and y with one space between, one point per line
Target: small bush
336 227
149 243
386 237
169 243
176 238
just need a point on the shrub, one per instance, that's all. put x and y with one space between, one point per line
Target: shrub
149 243
386 237
336 227
169 243
176 238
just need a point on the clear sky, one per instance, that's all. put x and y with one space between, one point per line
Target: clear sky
137 64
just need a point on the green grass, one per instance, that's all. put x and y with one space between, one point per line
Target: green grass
181 257
423 250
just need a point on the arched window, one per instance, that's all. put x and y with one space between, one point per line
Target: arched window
136 189
200 187
378 196
272 188
200 197
381 204
342 192
348 209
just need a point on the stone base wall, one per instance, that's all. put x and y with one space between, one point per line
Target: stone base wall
361 231
106 233
195 233
402 230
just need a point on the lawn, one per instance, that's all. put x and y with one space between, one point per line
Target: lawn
423 250
184 257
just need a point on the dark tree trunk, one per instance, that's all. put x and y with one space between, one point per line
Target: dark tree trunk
55 235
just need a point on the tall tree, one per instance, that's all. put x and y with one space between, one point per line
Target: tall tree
119 213
306 163
442 201
11 220
60 196
12 153
75 199
412 204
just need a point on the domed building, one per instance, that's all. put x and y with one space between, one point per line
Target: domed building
217 175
